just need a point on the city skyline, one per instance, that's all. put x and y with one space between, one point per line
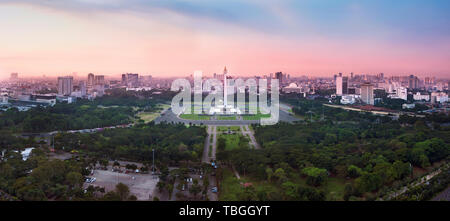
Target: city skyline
171 39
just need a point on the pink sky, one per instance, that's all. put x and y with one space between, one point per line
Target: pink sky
38 41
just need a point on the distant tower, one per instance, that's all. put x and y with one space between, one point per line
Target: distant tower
91 79
65 85
14 76
367 93
225 90
339 86
83 89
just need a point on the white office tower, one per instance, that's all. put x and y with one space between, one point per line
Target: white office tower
65 85
367 93
402 93
225 87
339 86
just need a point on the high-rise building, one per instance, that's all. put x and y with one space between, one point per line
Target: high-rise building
130 80
14 76
413 82
339 86
83 90
65 85
124 79
344 85
367 93
91 80
279 76
99 80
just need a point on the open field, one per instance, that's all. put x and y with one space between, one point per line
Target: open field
225 128
231 140
256 116
142 186
148 117
194 117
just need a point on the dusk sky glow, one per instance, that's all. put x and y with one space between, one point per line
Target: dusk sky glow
252 37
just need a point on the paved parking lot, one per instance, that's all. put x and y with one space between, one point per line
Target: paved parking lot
142 186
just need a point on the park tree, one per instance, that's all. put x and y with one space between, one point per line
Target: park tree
269 174
354 171
74 179
122 191
348 191
195 188
280 175
315 176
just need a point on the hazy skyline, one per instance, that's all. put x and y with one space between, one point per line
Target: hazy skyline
253 37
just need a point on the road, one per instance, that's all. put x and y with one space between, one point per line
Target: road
214 143
205 157
421 181
247 132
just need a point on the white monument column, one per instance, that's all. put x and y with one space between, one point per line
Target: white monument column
225 87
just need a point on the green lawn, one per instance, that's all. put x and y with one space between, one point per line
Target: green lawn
230 186
256 116
232 140
147 116
194 117
225 128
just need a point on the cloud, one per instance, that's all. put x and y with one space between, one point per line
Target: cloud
250 14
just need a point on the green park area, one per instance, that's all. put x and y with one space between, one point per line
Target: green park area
230 138
256 116
194 117
149 116
226 117
247 188
226 128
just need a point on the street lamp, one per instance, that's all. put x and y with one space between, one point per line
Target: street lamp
153 167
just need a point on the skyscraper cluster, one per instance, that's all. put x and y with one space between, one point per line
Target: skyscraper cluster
130 80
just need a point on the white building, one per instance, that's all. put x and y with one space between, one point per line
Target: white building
421 97
439 97
339 90
292 88
367 94
408 106
348 99
4 99
46 99
401 93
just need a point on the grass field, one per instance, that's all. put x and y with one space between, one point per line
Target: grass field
194 117
232 140
256 117
148 117
230 186
225 128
